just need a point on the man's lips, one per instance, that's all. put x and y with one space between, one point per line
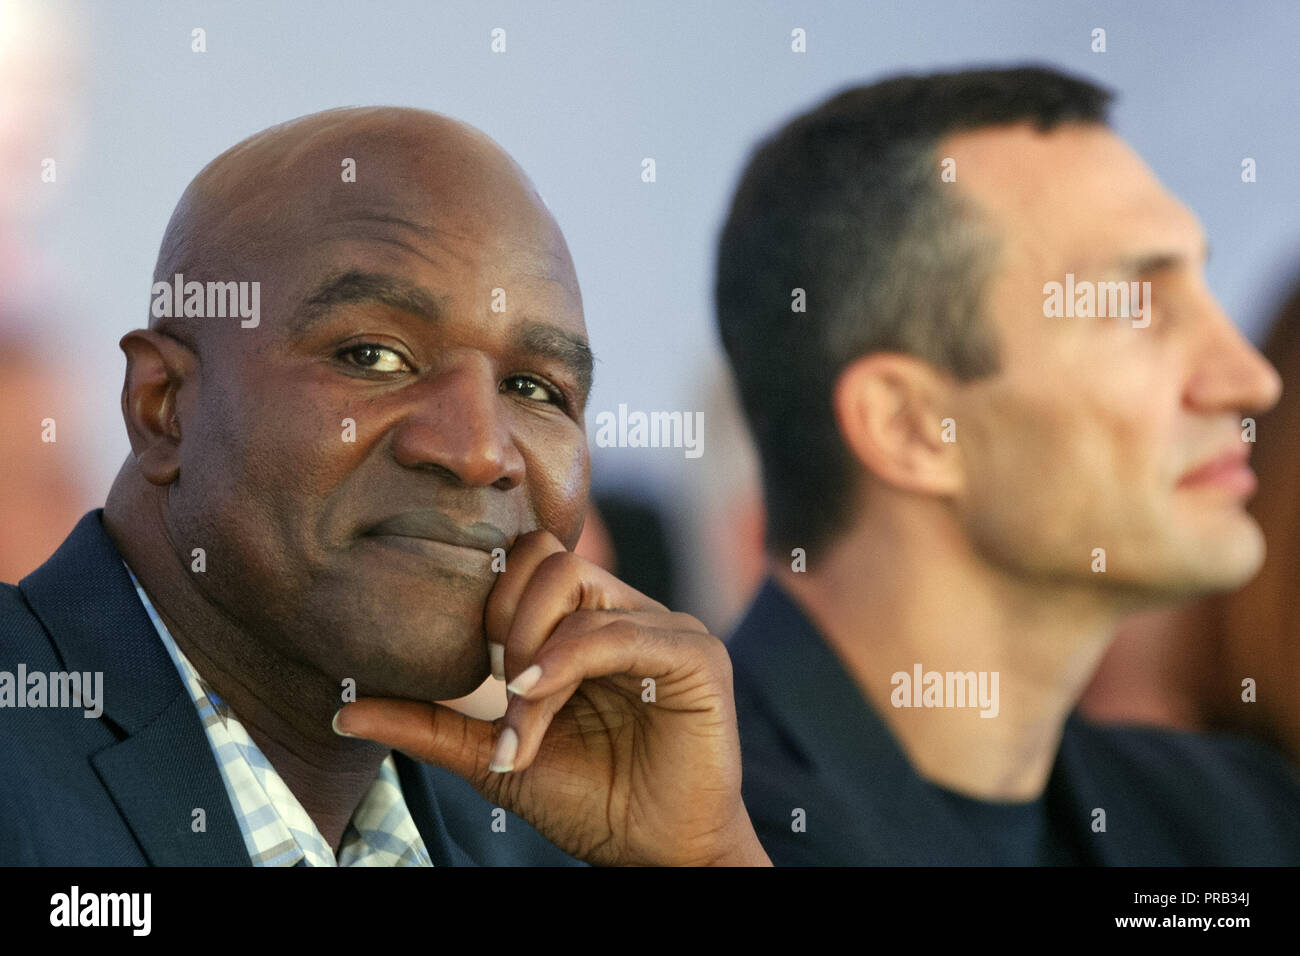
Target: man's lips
433 525
1229 472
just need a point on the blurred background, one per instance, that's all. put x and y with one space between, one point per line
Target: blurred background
116 96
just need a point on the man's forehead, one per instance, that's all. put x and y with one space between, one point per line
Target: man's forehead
449 249
1019 154
448 271
1078 192
383 174
446 236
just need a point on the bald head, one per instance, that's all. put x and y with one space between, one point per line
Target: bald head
299 182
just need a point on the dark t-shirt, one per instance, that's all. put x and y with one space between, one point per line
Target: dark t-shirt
825 782
1016 833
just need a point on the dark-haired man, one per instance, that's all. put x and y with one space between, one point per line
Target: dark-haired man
358 466
997 408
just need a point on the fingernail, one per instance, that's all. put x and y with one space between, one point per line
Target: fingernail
335 724
526 681
497 654
503 758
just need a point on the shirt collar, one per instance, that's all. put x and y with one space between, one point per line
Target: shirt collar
277 830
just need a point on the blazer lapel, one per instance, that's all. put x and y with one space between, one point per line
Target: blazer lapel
162 768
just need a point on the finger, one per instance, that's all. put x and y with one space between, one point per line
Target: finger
429 733
530 721
528 552
690 671
561 584
624 647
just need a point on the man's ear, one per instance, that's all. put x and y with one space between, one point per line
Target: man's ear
894 414
156 368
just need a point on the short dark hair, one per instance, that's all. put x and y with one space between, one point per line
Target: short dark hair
845 202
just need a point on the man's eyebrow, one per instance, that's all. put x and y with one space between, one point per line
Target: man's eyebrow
352 287
568 349
1144 263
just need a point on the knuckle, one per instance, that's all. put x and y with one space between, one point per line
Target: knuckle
537 539
625 630
681 621
577 624
714 654
559 565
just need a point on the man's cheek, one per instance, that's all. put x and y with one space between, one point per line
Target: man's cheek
557 492
573 510
303 448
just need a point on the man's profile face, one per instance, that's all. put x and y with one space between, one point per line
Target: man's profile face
1092 433
351 464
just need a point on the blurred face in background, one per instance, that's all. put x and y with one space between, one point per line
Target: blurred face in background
40 499
41 119
1097 433
43 486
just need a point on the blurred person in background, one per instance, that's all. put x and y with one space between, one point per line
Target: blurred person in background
719 521
40 496
967 489
42 437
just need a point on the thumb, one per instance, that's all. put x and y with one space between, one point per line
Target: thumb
430 733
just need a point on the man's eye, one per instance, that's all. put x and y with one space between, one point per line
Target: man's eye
531 388
374 357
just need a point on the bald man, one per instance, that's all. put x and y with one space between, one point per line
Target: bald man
358 467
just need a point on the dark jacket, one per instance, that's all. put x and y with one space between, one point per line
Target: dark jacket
120 789
810 742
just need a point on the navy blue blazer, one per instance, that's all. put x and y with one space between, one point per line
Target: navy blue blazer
810 742
120 789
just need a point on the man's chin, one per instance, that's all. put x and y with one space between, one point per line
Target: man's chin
421 682
1222 560
435 662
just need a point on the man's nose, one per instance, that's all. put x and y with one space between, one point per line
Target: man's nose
1229 372
458 424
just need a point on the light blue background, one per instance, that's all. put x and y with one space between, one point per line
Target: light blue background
585 91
